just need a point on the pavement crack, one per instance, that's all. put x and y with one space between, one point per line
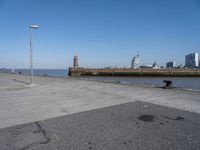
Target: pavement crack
43 132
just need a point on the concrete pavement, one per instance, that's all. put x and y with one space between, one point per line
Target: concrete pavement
53 97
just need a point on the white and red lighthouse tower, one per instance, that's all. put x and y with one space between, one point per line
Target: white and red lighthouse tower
75 64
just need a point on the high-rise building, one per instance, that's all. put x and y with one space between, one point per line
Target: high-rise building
170 64
192 60
135 62
75 64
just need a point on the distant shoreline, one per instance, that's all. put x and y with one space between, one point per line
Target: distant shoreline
39 72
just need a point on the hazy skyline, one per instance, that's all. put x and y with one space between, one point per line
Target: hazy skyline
102 32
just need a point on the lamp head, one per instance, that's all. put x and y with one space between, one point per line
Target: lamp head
34 26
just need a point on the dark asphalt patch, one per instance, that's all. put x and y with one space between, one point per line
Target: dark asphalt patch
177 118
146 118
126 126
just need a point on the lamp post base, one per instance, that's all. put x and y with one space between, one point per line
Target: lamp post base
32 85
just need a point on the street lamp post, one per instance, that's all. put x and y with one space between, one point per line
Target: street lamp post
31 51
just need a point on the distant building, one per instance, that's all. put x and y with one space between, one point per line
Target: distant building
135 62
146 66
180 66
107 67
192 60
170 64
75 64
155 66
13 71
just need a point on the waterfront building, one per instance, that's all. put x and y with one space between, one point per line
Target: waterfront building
180 66
192 60
135 62
146 66
75 64
13 71
170 64
109 67
155 66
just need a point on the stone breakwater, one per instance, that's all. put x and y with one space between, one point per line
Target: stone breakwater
134 72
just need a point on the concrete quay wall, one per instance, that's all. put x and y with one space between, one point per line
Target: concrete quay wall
133 72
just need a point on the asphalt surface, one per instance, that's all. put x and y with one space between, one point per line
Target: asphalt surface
135 125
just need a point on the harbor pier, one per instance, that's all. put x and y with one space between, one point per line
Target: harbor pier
69 113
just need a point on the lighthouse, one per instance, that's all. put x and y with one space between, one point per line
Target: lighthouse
75 64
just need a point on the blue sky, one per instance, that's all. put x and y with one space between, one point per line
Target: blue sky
102 32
